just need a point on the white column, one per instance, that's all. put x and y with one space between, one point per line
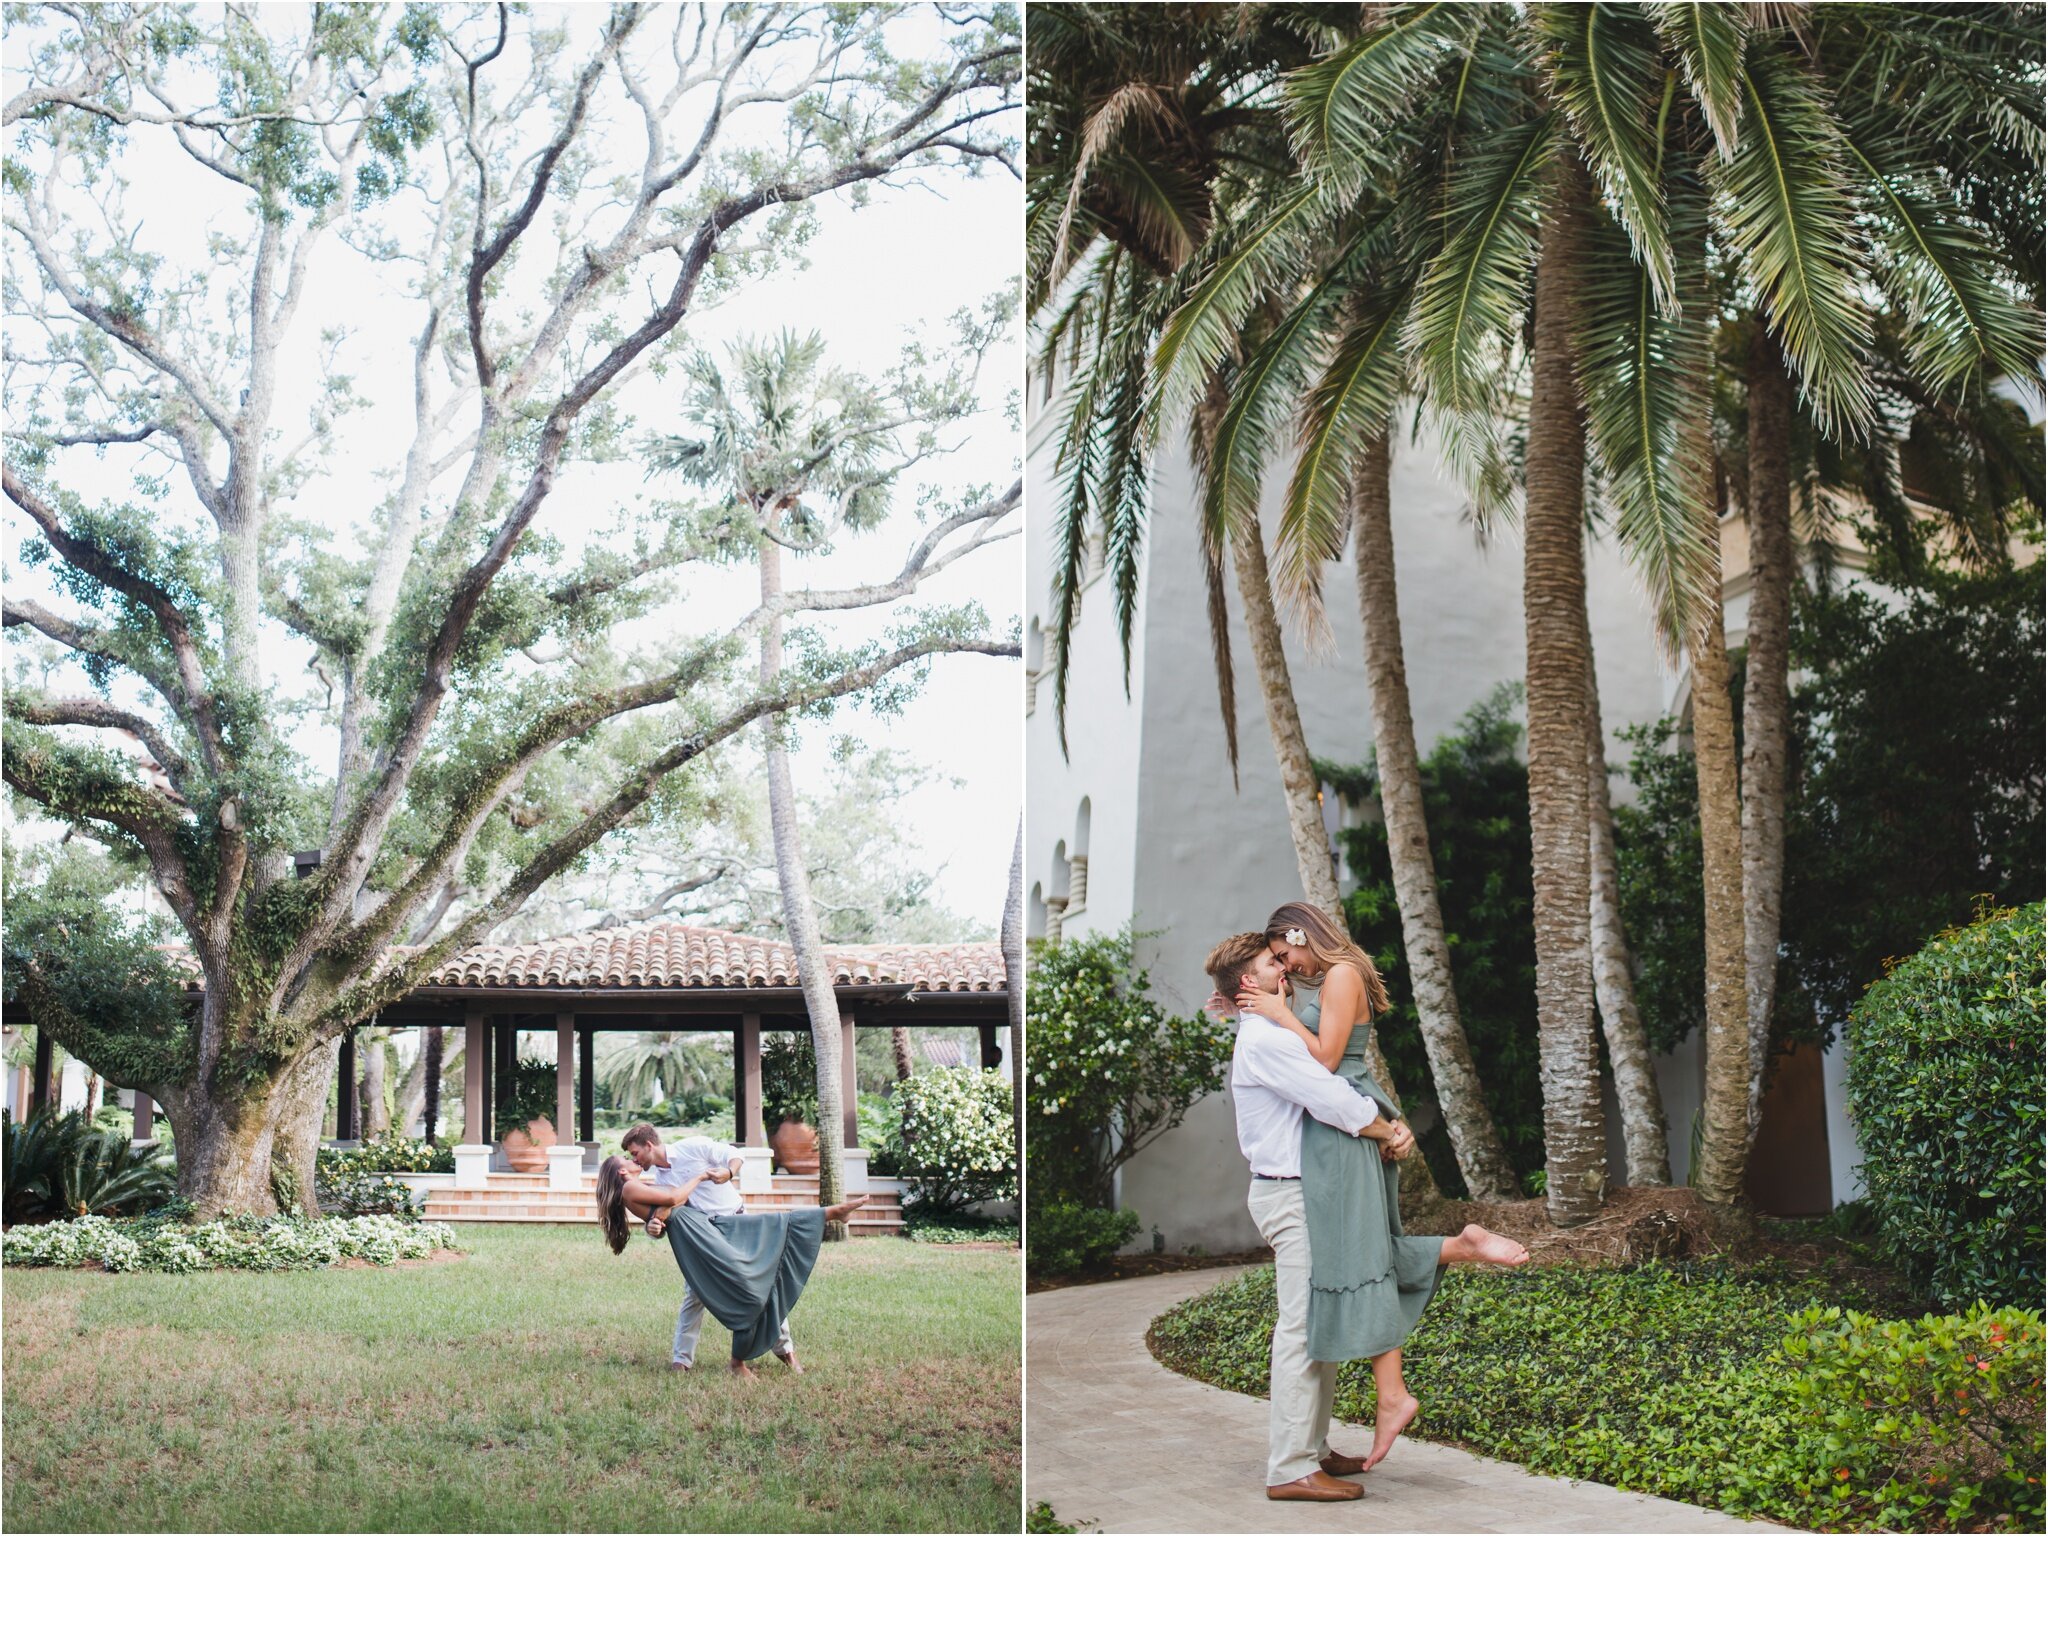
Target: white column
473 1153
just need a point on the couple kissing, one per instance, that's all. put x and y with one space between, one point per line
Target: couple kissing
1323 1140
745 1267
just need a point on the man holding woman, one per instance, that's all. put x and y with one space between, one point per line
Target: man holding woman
1324 1193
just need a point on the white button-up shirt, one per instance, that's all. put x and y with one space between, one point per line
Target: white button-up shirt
1273 1082
692 1157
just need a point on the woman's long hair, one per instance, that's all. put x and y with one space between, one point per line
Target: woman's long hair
611 1203
1331 946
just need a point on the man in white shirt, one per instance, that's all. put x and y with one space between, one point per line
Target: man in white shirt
673 1165
1274 1083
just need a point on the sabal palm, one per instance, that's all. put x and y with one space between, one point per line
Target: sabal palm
796 452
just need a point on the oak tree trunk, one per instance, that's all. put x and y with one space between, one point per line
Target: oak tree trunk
253 1153
1765 694
1482 1160
1553 605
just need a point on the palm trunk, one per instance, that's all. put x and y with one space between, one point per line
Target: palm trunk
1298 781
1305 811
1482 1160
1765 695
1553 607
1013 981
1644 1138
899 1045
1724 1116
376 1110
800 915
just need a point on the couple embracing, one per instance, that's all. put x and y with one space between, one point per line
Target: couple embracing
1323 1140
746 1268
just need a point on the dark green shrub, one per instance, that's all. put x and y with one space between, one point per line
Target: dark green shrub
1065 1237
1697 1381
1946 1071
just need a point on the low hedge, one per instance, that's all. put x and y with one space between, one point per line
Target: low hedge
1946 1070
1064 1237
1700 1382
243 1243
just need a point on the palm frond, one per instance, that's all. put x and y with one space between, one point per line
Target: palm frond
1340 106
1939 270
1790 213
1243 265
1347 407
1709 41
1476 288
1261 397
1608 76
1642 374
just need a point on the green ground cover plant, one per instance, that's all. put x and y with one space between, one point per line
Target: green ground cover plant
1946 1069
1729 1387
521 1388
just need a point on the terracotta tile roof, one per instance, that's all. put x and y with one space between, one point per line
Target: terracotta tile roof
665 954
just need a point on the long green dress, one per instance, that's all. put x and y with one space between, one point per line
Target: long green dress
1368 1281
747 1268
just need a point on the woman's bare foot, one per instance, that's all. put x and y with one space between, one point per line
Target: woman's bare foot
1388 1423
743 1371
789 1361
840 1212
1475 1243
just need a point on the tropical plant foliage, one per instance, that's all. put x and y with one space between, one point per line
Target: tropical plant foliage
60 1165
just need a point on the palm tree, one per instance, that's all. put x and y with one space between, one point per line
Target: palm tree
782 439
1208 145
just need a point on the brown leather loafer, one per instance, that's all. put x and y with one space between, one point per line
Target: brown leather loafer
1342 1465
1316 1486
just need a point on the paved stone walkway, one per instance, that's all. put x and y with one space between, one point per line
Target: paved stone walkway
1114 1438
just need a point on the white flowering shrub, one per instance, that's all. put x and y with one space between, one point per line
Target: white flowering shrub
957 1136
242 1243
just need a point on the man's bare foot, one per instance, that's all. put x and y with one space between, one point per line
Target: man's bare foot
743 1371
841 1212
1387 1424
677 1368
1480 1245
789 1361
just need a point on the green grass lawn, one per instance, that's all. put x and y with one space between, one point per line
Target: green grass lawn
523 1388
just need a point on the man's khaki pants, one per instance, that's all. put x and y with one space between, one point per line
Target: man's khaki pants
1298 1416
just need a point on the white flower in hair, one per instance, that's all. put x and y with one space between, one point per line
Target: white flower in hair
1296 937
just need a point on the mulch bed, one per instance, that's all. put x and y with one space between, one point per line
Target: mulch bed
1638 1224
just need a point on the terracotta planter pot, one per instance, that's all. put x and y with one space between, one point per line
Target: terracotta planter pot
526 1150
796 1147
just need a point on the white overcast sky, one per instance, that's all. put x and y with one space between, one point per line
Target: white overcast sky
909 257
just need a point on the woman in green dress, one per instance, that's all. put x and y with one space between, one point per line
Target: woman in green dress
1369 1280
747 1268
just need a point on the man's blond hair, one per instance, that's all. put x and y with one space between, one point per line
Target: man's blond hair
1229 960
